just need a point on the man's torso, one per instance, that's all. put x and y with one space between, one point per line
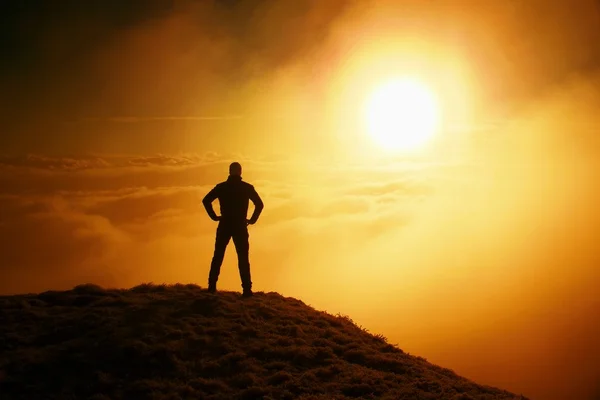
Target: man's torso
234 197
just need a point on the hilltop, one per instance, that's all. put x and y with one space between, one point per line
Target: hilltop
172 342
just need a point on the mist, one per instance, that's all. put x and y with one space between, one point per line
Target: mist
479 254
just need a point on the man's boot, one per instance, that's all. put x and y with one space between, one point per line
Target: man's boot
247 293
212 288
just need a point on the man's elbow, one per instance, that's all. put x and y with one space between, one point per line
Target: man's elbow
259 205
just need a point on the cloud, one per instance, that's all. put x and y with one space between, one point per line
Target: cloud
52 163
47 175
403 187
184 57
158 118
163 160
46 243
143 205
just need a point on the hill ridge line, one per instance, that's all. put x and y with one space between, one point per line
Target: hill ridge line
179 341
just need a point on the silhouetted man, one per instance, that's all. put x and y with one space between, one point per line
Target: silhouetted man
234 195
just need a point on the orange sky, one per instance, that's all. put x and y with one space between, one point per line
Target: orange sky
478 252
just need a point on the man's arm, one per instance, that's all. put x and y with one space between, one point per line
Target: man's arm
207 202
258 206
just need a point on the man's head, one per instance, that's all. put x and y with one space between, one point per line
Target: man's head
235 169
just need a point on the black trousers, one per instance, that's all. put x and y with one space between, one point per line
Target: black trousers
225 232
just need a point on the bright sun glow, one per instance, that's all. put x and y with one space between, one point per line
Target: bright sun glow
402 115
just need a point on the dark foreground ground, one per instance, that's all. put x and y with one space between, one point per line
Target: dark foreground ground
180 342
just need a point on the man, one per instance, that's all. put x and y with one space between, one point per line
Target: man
234 195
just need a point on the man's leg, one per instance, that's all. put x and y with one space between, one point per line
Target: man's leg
221 242
242 248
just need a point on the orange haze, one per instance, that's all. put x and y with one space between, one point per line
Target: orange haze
479 252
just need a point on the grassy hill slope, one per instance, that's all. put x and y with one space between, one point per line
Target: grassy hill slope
172 342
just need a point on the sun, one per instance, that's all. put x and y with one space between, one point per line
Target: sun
402 114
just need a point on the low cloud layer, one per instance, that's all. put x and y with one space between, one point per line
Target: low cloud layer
70 219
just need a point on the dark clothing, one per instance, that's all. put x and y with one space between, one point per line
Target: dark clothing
234 196
239 233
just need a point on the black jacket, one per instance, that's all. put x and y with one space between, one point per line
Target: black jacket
234 196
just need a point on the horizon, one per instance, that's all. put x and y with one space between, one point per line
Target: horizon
461 224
